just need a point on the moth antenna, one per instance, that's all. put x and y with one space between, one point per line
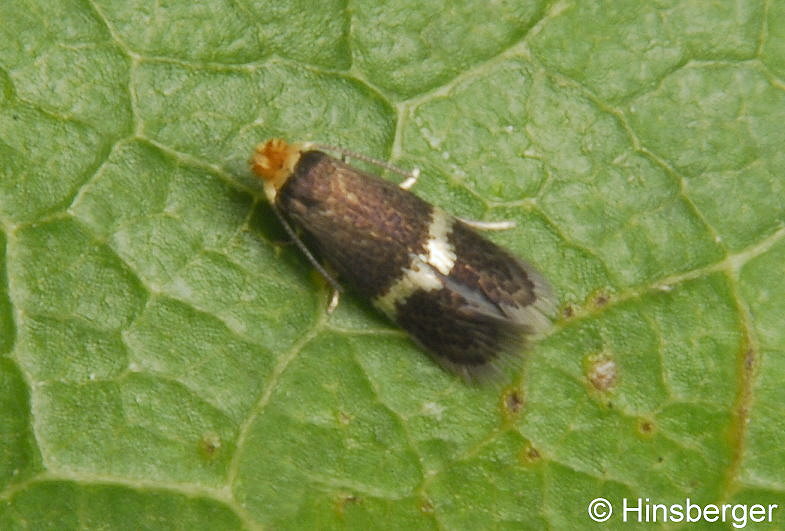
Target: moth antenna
411 176
314 262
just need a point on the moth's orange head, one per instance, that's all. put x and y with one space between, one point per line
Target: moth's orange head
274 161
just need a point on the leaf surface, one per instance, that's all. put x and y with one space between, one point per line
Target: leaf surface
165 357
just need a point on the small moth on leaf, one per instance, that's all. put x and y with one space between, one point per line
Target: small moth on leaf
468 302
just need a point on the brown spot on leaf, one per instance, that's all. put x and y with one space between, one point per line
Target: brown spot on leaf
530 455
345 499
749 360
343 418
568 311
646 427
602 372
426 506
512 401
209 445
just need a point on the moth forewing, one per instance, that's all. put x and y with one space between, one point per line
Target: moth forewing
467 301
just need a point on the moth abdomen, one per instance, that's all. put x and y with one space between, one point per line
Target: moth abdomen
470 303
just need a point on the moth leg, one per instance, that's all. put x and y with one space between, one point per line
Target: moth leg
411 179
488 225
334 298
336 288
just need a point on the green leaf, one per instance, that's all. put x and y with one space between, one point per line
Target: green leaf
165 356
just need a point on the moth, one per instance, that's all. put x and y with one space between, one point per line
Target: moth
468 302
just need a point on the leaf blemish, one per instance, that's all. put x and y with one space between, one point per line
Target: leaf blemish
602 372
432 409
530 455
344 500
646 427
749 360
210 445
343 418
512 401
426 506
